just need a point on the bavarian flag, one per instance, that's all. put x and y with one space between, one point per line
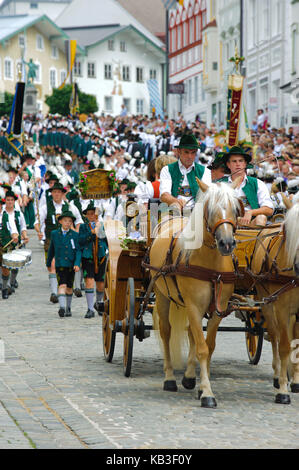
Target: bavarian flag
74 100
14 133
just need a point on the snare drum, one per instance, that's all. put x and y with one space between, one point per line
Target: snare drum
13 261
27 254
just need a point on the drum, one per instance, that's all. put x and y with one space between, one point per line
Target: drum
27 254
13 260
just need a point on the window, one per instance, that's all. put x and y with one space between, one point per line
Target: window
190 94
153 74
215 66
123 46
38 78
108 72
126 73
8 69
33 5
139 106
22 41
54 52
53 78
191 31
108 104
179 37
39 42
91 70
127 103
111 45
63 76
78 68
185 33
196 89
139 74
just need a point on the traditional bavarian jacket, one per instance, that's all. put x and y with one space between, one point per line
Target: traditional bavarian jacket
48 216
13 222
181 183
65 249
92 247
253 192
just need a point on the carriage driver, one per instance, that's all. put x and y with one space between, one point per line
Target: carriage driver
178 186
253 192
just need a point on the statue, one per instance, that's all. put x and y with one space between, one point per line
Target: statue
31 75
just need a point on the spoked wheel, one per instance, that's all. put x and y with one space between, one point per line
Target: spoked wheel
254 342
130 327
108 334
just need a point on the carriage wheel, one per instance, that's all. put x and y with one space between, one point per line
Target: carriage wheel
108 334
129 333
254 343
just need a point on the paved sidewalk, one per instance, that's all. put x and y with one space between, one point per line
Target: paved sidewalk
57 391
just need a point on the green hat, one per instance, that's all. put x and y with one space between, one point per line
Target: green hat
236 150
10 193
218 162
67 213
188 141
90 207
57 185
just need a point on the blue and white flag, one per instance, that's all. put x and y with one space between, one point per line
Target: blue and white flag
155 97
169 4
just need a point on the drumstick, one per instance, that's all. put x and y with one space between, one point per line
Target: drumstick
9 243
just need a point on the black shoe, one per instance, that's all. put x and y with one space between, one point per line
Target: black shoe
15 284
11 290
68 312
89 314
54 299
4 293
99 308
77 292
61 312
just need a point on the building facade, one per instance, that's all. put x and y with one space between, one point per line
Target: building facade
36 38
50 8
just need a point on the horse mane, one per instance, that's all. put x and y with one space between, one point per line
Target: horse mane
291 225
218 196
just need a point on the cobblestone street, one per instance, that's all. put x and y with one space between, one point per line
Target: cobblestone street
57 390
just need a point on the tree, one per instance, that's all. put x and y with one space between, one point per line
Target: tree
5 107
59 101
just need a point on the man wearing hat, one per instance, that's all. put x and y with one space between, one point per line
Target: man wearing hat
178 186
93 258
65 250
48 222
13 227
253 192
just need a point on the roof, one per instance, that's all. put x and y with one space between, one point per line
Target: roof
91 36
13 25
7 2
101 12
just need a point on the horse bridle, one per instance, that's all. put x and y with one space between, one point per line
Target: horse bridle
222 221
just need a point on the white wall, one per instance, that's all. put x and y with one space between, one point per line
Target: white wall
136 56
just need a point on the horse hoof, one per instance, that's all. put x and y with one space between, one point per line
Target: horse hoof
170 386
276 383
208 402
295 388
283 399
189 382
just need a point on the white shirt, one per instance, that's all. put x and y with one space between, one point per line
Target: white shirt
58 210
166 181
11 221
263 194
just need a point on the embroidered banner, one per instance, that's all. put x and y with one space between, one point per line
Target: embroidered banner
234 103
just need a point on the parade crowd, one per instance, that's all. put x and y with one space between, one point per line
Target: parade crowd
41 189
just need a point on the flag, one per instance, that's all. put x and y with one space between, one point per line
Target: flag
171 4
14 133
71 47
155 97
74 100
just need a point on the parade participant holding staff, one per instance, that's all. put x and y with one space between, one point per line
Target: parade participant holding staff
178 186
93 258
48 222
65 250
253 192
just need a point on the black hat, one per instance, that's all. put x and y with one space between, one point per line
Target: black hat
188 141
218 162
90 207
58 185
10 193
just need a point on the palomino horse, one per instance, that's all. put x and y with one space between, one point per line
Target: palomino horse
199 278
276 261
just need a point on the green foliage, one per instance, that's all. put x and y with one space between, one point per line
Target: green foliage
5 107
59 101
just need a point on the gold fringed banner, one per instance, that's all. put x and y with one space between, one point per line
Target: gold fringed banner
234 102
72 56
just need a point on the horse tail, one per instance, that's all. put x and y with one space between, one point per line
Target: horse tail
179 335
292 228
